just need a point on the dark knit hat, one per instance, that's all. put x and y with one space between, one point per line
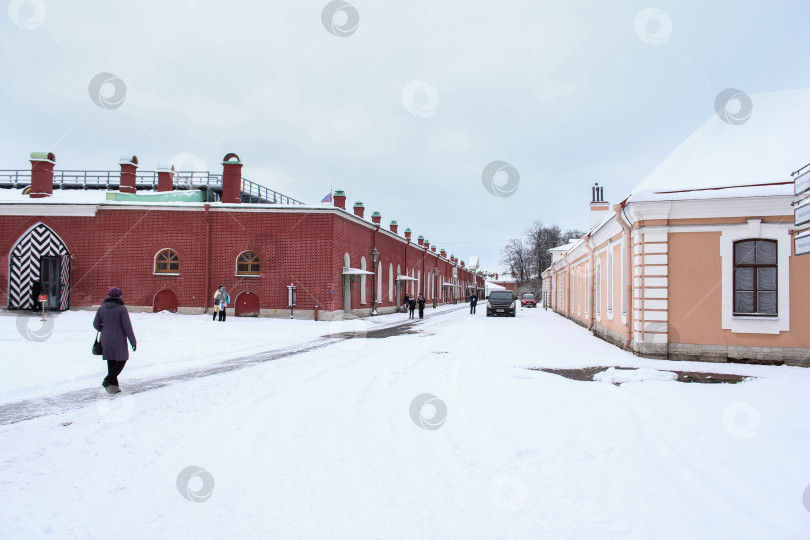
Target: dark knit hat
115 292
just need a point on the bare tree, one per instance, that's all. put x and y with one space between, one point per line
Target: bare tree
516 256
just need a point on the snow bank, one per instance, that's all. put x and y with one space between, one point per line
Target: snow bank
619 376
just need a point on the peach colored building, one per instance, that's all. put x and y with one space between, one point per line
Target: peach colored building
698 262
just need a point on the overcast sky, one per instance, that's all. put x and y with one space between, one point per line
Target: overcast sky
401 104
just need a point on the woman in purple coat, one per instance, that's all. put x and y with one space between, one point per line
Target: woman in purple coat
112 320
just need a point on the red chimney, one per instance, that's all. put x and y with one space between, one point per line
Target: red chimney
407 234
340 198
427 244
443 253
42 174
393 226
165 177
462 264
359 209
433 249
231 179
421 240
129 166
376 217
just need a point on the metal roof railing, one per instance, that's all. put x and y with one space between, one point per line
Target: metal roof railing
68 179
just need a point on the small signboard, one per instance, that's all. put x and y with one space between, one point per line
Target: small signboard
801 214
801 183
43 297
801 243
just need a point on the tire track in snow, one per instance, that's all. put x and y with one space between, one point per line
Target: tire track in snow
28 409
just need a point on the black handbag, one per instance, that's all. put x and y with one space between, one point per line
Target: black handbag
97 346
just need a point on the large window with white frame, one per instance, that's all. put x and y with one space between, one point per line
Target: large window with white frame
755 278
598 288
610 279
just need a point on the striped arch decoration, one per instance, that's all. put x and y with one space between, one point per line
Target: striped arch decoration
24 261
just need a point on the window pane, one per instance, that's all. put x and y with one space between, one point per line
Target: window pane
766 278
744 252
766 303
766 252
744 302
744 279
254 267
161 266
174 266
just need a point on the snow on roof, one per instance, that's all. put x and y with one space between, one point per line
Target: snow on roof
765 149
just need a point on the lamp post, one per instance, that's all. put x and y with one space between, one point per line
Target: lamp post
375 258
435 284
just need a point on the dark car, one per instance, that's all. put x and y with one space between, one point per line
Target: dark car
501 303
528 300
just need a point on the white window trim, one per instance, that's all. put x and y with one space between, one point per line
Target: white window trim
587 289
598 300
623 281
610 279
363 295
766 231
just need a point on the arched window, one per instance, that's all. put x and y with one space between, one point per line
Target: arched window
167 262
390 282
362 281
247 264
379 294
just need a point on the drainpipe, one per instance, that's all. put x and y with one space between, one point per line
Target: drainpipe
207 259
628 264
592 286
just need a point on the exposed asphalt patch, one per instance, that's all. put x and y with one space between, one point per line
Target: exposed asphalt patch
586 374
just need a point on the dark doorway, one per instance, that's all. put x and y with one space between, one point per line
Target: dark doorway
50 277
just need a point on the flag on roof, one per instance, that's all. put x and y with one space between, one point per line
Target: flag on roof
328 197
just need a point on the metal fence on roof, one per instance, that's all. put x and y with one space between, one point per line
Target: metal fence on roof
110 180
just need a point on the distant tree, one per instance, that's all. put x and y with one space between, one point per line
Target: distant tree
527 259
516 257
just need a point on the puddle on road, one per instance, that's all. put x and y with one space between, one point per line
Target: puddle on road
586 374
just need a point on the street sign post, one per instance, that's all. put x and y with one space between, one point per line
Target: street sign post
801 213
42 299
802 183
801 243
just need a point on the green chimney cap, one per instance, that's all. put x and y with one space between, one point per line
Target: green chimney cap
375 214
407 230
421 237
340 193
394 222
43 156
359 204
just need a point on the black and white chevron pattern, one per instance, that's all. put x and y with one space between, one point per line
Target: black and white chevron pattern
24 264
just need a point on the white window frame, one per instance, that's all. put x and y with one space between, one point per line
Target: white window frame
598 292
755 229
610 281
363 298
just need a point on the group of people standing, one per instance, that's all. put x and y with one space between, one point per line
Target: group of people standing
221 301
410 304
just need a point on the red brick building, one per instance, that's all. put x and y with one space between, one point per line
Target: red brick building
169 248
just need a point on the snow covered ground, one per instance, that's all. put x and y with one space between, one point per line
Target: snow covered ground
439 433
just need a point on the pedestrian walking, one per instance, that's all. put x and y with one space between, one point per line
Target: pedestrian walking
112 321
473 303
411 306
217 296
36 290
405 303
421 303
224 300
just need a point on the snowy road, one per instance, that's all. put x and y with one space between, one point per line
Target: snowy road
322 444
